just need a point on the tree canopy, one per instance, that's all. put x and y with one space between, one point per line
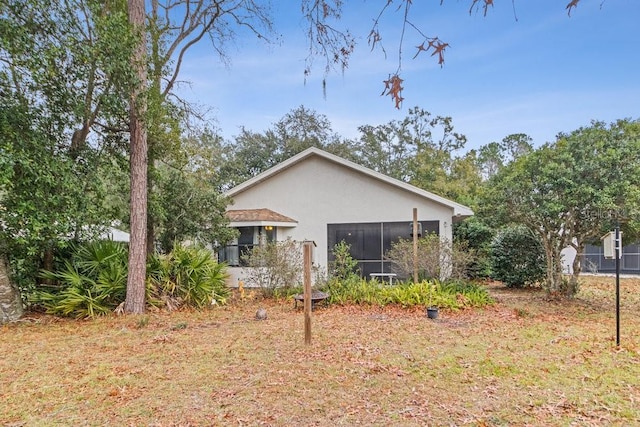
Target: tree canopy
570 191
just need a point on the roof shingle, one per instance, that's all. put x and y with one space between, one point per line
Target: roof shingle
252 215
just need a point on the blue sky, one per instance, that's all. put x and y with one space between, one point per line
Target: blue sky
541 74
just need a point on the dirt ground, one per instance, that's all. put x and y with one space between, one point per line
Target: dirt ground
526 360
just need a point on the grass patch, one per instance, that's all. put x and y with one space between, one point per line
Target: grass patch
522 361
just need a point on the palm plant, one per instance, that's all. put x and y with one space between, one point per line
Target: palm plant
187 276
91 283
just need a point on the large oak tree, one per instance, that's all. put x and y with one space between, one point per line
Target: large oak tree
571 191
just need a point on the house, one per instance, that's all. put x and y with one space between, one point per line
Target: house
594 261
324 198
115 234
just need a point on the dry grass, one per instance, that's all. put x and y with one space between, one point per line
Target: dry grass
524 361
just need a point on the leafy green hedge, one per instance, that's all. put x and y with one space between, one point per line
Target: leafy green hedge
450 295
517 257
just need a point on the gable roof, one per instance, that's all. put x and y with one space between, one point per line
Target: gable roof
458 209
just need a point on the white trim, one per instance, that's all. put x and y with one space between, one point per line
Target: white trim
262 224
459 211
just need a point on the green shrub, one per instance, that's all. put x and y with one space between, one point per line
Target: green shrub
354 290
275 266
451 295
472 294
517 257
343 265
438 258
93 282
477 237
186 276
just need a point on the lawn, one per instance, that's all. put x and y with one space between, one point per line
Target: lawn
523 361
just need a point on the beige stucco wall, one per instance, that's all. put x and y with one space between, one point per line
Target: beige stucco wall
317 192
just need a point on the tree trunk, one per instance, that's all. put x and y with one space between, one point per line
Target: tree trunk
553 282
151 235
558 284
135 300
577 269
10 300
47 263
151 221
548 252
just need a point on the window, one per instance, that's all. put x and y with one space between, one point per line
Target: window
370 241
234 253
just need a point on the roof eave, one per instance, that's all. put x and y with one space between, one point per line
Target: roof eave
282 224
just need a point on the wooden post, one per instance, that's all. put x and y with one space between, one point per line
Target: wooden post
415 245
307 257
